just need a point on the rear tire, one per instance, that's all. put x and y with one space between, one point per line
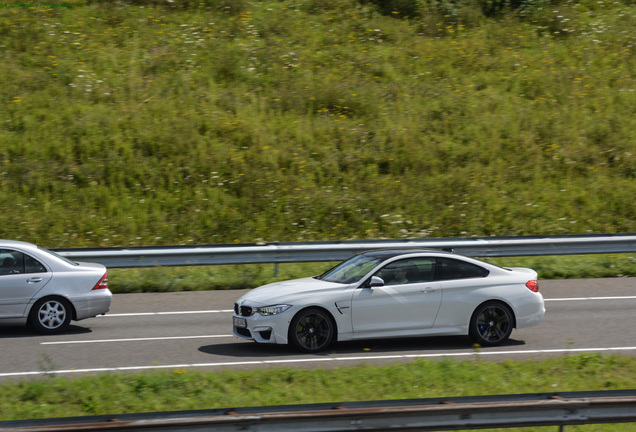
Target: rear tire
51 315
312 330
491 324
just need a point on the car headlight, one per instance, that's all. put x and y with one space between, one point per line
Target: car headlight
271 310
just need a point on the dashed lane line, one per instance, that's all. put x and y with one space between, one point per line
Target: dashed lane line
133 314
213 311
134 339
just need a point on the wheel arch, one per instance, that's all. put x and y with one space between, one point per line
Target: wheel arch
323 309
52 297
496 301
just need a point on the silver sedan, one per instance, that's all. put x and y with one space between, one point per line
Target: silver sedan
46 290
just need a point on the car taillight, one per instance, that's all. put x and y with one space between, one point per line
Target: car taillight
103 282
533 285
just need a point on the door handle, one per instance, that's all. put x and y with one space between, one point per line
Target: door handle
34 280
428 290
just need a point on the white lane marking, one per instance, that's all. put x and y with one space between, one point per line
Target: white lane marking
134 339
230 311
471 353
592 298
165 313
141 314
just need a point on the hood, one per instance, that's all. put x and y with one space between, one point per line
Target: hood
288 291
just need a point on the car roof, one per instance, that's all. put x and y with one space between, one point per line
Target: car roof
390 253
17 244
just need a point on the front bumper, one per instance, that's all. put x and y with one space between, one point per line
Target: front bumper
262 329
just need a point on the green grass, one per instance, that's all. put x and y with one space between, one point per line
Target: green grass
149 123
168 279
182 389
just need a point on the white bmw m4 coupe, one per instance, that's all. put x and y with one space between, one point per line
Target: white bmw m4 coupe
393 293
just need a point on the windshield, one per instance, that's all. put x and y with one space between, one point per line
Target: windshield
352 270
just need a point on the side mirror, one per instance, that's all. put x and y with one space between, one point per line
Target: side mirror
376 282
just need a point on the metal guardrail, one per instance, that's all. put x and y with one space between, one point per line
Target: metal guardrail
507 411
337 251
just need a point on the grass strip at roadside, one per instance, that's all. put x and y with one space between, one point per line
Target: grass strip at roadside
172 279
183 389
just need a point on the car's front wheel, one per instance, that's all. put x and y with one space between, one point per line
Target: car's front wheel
491 324
311 330
51 315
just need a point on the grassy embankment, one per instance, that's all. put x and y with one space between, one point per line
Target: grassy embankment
153 123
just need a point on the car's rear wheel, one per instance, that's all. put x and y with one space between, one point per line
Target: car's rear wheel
51 315
491 324
311 330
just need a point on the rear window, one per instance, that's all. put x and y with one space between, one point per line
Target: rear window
59 256
449 269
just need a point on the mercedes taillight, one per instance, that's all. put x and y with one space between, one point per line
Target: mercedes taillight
103 282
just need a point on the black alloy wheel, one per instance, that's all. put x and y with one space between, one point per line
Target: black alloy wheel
491 324
311 330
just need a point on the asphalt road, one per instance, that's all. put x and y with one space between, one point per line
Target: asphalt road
194 330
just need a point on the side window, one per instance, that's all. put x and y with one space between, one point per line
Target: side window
31 265
407 271
14 262
11 262
449 269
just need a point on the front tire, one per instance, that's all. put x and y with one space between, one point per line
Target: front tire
491 324
311 330
51 315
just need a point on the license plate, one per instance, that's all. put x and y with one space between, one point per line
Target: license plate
239 322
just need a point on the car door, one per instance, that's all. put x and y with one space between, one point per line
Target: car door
21 277
461 283
403 305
